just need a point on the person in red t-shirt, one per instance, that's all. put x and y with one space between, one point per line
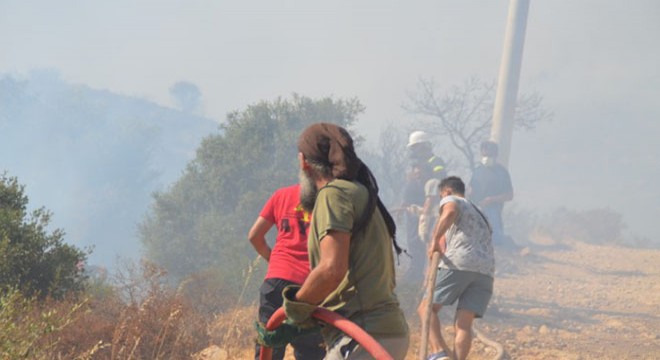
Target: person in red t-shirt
288 263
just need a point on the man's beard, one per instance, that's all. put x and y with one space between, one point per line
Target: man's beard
308 191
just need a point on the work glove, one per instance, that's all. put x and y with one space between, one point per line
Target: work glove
281 336
297 312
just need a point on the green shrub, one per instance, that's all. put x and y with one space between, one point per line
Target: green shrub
33 260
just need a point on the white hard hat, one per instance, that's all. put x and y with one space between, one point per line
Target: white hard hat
417 137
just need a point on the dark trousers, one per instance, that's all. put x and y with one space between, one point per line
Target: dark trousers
416 250
306 347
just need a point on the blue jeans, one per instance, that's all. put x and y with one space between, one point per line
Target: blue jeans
494 216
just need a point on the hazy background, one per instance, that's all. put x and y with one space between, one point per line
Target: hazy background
595 63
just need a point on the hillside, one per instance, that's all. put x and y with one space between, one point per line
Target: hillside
93 157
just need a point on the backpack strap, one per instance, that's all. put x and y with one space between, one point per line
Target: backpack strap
490 229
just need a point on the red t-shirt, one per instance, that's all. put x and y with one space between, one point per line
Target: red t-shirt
288 259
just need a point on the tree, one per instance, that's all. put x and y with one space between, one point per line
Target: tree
187 96
32 259
463 115
201 222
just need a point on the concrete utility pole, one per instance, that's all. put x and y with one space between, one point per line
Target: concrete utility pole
507 82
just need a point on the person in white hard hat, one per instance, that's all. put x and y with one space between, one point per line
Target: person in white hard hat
417 138
421 152
419 195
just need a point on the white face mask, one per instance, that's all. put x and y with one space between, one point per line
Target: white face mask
487 160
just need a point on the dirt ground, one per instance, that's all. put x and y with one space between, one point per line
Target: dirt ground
573 301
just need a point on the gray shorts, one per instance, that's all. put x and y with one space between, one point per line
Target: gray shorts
472 290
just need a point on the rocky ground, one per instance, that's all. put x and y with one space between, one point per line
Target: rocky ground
574 301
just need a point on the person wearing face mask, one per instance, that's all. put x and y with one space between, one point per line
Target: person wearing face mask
490 187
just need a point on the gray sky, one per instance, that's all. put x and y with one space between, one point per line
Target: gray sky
594 61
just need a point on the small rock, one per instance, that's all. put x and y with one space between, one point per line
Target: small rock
212 352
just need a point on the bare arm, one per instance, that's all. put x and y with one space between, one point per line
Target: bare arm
330 271
257 237
448 214
437 246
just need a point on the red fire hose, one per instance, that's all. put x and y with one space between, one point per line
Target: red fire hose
348 327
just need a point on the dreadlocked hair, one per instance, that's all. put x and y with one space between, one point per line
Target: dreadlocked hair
366 178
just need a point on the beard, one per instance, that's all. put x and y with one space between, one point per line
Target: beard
308 191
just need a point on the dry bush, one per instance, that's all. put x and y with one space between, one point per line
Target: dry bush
90 335
138 316
30 328
142 319
234 330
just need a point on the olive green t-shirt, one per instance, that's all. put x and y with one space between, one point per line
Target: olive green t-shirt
366 294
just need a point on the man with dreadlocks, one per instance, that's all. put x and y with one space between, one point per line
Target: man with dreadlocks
350 247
